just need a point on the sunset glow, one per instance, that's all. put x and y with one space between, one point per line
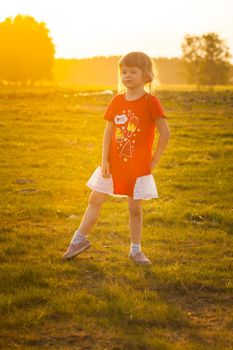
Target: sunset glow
103 28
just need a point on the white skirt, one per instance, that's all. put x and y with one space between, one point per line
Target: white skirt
145 186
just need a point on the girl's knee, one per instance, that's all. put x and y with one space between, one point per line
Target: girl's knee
97 198
135 208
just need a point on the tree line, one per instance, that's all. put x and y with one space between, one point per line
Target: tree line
27 56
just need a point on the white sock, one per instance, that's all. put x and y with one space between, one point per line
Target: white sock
78 237
135 247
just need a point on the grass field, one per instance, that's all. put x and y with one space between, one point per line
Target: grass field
51 143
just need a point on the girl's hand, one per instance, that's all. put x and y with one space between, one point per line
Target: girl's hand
105 169
153 164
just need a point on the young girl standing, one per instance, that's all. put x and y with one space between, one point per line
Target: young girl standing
127 159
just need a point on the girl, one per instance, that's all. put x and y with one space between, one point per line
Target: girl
127 158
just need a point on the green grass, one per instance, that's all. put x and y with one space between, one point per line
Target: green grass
100 300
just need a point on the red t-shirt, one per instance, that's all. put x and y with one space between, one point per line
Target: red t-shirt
132 138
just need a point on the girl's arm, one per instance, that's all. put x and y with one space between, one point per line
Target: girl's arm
105 148
164 136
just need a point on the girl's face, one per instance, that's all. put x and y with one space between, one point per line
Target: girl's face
131 77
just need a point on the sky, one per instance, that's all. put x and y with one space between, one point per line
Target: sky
86 28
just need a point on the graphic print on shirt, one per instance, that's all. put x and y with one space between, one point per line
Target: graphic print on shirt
125 134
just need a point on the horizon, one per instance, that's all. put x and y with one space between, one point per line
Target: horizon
108 56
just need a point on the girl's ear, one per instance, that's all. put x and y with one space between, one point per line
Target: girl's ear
146 78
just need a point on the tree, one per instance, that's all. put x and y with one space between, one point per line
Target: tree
206 59
26 50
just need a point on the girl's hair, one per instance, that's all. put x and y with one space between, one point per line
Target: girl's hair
145 63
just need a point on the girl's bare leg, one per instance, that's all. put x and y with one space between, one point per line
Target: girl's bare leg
78 243
96 199
135 219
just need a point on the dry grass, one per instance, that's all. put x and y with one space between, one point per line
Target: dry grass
99 300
